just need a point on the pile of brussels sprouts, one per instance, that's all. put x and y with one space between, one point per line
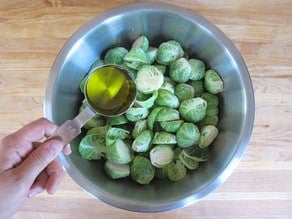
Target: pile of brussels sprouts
170 126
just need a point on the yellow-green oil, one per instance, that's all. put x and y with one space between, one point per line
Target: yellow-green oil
110 90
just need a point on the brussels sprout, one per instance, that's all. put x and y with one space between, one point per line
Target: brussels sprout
118 152
198 69
148 79
167 99
180 70
115 133
184 91
193 110
209 120
210 98
208 134
141 42
212 103
148 103
136 58
100 131
197 153
198 87
92 147
117 120
168 52
161 68
176 171
115 55
213 83
116 171
142 171
167 114
167 86
161 155
136 113
171 126
164 138
161 173
190 162
96 64
187 135
152 53
153 115
177 151
139 127
142 142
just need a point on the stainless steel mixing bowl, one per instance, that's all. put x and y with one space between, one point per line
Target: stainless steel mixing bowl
199 37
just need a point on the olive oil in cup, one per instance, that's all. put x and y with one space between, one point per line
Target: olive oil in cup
109 91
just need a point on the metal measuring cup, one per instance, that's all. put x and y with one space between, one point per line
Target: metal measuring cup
72 128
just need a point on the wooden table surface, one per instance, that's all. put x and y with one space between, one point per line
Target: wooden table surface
31 34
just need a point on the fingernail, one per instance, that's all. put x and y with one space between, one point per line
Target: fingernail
55 145
32 194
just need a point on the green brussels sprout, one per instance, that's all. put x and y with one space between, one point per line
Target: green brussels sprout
198 87
212 104
194 109
211 99
148 79
161 155
161 173
164 138
114 133
184 91
187 135
197 153
171 126
209 120
152 53
139 127
136 58
208 134
118 152
153 115
176 171
190 162
116 171
176 153
167 114
142 142
92 147
141 42
167 86
117 120
161 68
149 102
100 131
180 70
141 170
198 69
213 83
136 113
167 99
115 55
97 63
168 52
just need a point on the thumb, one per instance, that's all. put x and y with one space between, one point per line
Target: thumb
40 158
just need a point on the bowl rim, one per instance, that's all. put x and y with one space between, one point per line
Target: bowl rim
216 180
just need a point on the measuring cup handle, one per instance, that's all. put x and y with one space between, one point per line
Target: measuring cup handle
68 131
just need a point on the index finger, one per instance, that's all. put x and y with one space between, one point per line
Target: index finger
34 131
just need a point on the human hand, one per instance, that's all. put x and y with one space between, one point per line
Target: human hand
27 166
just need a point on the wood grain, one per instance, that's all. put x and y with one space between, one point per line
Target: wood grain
32 33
